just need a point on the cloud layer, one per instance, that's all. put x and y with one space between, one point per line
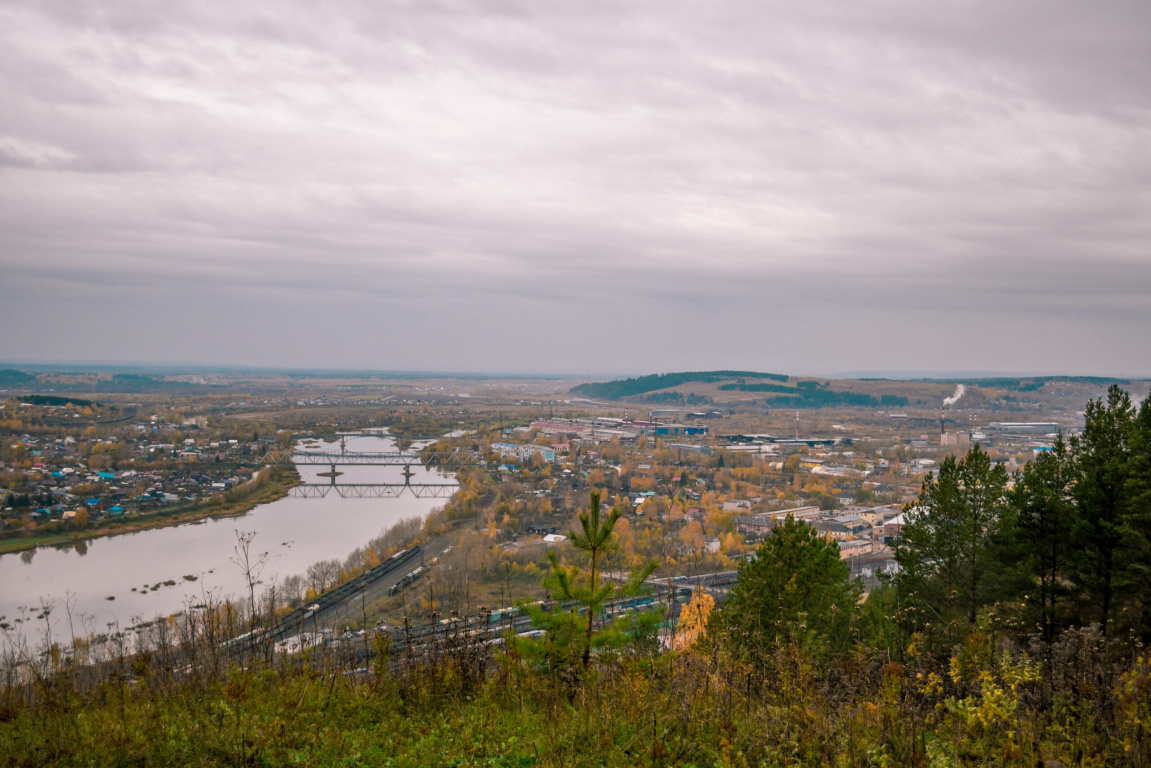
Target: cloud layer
595 187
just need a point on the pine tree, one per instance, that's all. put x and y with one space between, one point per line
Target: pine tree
1044 517
1102 455
946 548
572 634
1136 528
795 590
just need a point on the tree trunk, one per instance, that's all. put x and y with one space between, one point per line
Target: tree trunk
1106 590
590 616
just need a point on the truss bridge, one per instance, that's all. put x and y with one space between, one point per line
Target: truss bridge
398 458
373 490
377 458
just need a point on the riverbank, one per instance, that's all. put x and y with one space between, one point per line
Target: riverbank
281 480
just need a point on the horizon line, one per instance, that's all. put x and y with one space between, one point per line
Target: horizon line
113 366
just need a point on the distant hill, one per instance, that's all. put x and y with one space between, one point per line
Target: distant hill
785 391
614 390
138 383
54 400
812 394
1034 383
10 377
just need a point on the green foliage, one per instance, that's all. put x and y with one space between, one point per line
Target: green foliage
677 397
1069 545
823 398
614 390
743 386
879 625
1136 528
12 377
795 590
664 397
1102 454
806 394
55 400
572 635
1044 517
985 705
135 382
947 549
812 394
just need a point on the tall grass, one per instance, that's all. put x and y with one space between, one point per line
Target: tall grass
209 687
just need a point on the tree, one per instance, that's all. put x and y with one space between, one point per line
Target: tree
946 550
693 619
691 536
1102 455
795 590
1136 530
322 574
251 563
292 589
1044 515
596 539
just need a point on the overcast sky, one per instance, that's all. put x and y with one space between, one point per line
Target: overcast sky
580 187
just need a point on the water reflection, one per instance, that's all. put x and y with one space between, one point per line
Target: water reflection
146 573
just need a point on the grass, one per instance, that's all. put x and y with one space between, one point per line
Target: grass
695 708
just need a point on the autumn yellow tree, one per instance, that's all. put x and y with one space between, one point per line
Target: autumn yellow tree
693 619
691 536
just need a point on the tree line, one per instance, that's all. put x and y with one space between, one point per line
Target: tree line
614 390
1064 542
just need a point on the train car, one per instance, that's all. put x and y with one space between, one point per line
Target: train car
398 587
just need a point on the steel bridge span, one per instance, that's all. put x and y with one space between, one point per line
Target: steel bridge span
374 490
377 459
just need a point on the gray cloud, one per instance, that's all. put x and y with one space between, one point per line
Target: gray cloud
504 186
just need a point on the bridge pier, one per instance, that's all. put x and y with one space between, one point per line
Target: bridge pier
332 475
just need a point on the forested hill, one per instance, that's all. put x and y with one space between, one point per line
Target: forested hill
787 392
614 390
11 377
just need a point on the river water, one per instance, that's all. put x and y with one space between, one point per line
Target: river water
294 532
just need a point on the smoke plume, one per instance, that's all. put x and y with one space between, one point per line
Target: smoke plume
959 390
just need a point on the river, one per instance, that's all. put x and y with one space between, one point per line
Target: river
294 532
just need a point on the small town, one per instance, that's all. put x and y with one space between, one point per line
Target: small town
105 472
718 492
505 384
385 531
